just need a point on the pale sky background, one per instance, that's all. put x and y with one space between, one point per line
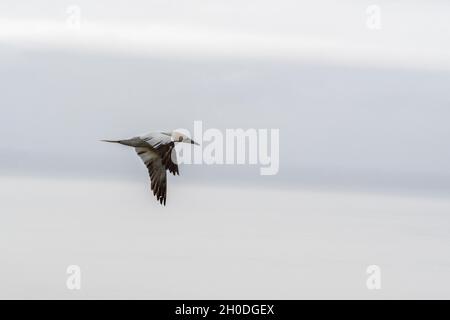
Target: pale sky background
364 158
351 103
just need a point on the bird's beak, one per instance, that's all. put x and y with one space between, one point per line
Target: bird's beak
193 142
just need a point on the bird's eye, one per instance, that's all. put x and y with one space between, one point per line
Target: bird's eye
180 139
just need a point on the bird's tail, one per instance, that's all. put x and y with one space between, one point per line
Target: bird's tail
133 142
112 141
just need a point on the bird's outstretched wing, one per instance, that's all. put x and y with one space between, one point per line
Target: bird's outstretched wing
157 172
168 157
164 146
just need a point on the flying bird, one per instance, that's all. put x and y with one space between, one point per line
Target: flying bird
155 150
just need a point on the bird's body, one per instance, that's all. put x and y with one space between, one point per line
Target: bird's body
156 151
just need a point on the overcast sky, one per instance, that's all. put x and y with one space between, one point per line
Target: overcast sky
353 105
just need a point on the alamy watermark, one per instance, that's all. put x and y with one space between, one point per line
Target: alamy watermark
373 17
374 280
73 281
73 20
233 146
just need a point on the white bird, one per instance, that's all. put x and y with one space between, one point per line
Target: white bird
156 151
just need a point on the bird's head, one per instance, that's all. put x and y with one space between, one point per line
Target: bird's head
179 137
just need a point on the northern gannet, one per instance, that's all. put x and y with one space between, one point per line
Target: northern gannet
155 150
